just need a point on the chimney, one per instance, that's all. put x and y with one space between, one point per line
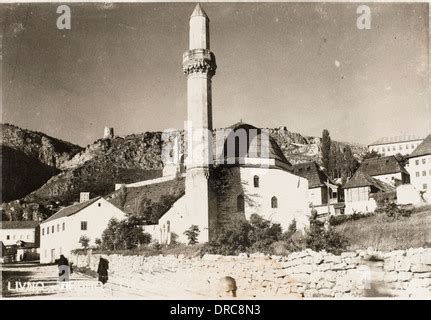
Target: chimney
84 196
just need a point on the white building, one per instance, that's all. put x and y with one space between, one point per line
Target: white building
60 233
420 166
13 231
391 146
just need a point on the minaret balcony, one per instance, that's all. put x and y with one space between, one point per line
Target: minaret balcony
201 61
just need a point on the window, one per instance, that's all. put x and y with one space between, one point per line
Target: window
401 147
47 230
99 204
274 202
407 146
424 173
52 229
43 231
64 226
8 237
256 181
425 186
417 174
83 225
383 149
58 227
240 203
28 236
424 161
417 162
393 148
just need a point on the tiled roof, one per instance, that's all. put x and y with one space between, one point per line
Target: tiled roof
18 224
253 150
312 172
382 165
361 179
71 210
387 140
423 149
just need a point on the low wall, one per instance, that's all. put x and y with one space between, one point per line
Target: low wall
403 273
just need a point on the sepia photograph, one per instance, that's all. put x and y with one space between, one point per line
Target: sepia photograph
238 151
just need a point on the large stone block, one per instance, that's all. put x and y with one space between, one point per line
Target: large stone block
421 268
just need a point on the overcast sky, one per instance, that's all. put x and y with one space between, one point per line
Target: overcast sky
303 66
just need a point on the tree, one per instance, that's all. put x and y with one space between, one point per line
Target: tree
326 149
192 234
84 241
126 234
371 155
402 159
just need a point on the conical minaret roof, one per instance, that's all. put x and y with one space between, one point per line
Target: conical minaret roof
199 12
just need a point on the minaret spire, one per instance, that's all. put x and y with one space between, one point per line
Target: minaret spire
199 11
199 66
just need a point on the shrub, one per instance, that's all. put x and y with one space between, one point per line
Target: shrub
257 235
192 234
318 239
84 241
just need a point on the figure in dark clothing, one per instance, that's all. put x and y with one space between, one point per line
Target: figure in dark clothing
63 269
62 261
102 270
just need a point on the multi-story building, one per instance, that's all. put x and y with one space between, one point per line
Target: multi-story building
391 146
60 233
420 166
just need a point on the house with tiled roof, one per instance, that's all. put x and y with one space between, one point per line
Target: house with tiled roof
60 233
13 231
386 169
361 190
390 146
321 190
420 166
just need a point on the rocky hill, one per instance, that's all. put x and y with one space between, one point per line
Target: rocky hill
29 159
127 159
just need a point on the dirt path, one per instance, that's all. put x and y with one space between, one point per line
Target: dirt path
36 281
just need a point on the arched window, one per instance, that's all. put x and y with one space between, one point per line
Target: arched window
274 202
240 203
256 181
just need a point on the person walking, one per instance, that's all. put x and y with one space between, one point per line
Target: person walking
102 270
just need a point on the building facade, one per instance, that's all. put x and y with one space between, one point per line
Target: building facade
404 145
60 233
420 166
11 232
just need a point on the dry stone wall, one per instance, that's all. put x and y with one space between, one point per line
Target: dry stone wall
305 274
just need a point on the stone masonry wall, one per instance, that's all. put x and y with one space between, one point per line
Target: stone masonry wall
402 273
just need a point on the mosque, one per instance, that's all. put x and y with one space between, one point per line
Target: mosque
227 176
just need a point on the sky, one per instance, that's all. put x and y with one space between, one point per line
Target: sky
305 66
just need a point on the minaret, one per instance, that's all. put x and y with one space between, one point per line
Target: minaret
199 66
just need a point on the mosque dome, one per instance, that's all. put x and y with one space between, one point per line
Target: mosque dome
243 143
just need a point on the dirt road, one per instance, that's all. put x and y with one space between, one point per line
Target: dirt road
38 281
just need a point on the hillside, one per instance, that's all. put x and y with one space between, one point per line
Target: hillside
29 159
384 234
127 159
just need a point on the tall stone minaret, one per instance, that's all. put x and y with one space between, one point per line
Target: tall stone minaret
199 66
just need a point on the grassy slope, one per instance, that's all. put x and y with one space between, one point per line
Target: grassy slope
382 233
